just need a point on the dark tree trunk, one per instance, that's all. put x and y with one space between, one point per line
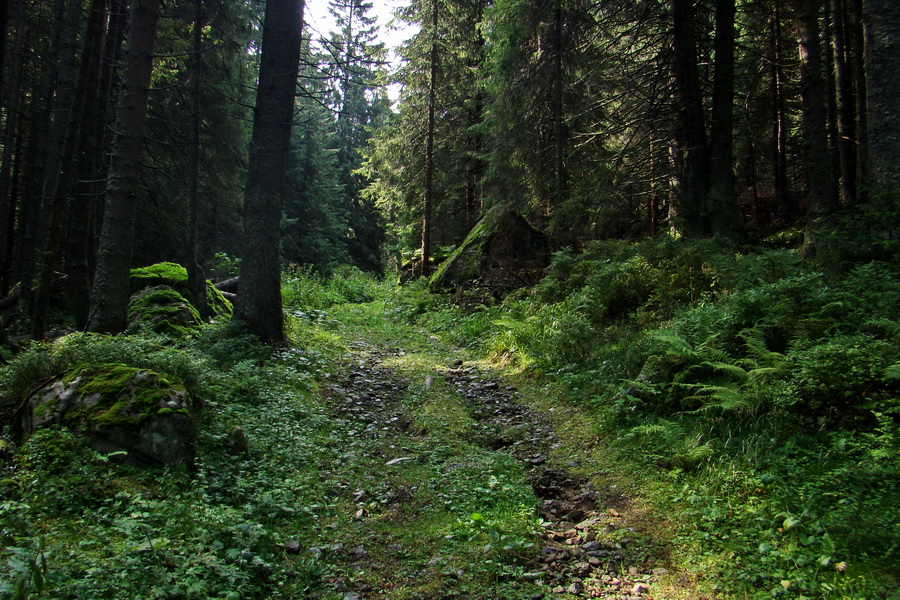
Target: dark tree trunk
858 39
196 276
831 109
109 295
816 156
882 18
784 202
560 141
83 207
13 103
691 125
846 104
259 303
46 108
724 214
4 20
65 180
425 267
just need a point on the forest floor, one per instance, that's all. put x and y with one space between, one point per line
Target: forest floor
459 479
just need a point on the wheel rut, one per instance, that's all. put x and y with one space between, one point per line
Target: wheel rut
588 546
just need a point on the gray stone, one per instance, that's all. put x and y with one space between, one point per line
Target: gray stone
145 418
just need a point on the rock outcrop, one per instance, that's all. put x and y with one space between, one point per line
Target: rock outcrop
137 416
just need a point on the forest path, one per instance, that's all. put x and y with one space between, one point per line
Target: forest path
460 481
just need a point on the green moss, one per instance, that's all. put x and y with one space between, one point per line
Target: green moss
123 395
470 248
165 310
164 273
219 306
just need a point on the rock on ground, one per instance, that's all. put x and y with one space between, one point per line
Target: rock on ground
146 415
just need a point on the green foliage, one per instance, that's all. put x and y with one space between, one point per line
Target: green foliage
42 361
762 386
304 290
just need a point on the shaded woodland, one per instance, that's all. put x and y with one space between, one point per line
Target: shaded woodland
570 298
594 121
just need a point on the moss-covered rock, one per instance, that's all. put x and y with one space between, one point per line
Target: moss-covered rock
148 416
502 251
165 273
175 277
164 310
219 306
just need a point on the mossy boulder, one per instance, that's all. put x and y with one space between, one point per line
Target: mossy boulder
175 277
503 251
169 274
164 310
145 418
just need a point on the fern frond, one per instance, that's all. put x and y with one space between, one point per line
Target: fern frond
662 428
673 343
732 370
762 374
722 398
892 372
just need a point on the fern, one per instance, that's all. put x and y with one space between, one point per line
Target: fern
893 371
722 398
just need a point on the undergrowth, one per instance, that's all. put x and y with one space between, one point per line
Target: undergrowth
758 393
282 496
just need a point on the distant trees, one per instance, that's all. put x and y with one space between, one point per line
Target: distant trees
883 91
706 117
589 120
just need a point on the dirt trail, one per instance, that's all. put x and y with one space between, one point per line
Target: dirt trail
589 547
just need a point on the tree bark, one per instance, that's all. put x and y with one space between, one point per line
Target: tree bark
846 104
560 142
882 18
724 213
425 267
196 276
691 126
858 39
817 158
783 200
259 304
65 180
110 292
9 136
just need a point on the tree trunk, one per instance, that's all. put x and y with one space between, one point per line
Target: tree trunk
196 276
83 207
858 39
882 19
817 158
691 126
4 19
784 202
259 303
846 104
560 142
109 296
724 213
9 136
425 267
66 177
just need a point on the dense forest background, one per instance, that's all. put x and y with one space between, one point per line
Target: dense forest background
683 213
589 121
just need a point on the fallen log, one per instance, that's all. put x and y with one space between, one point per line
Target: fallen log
229 285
